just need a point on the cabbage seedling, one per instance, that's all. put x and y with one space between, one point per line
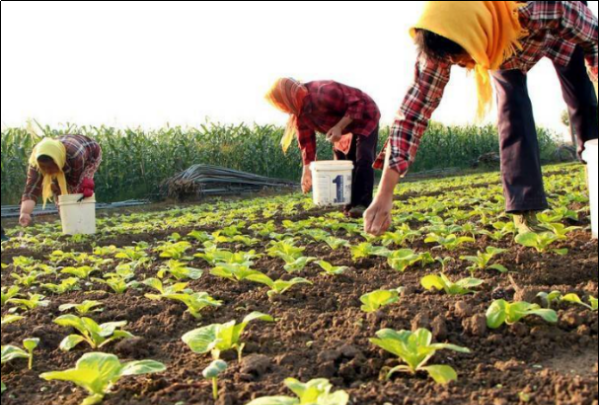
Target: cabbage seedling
85 308
315 392
27 280
297 265
502 312
559 230
483 261
34 301
175 251
98 372
212 373
214 256
65 286
9 319
200 236
285 250
331 270
124 271
10 353
335 243
443 283
401 260
30 345
97 336
400 237
556 297
366 250
245 240
220 338
136 256
82 273
180 271
11 293
119 285
594 304
195 302
541 242
233 272
277 287
415 350
376 300
450 242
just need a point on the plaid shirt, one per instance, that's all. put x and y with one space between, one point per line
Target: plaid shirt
556 29
84 156
327 103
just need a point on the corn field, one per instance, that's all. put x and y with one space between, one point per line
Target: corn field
137 161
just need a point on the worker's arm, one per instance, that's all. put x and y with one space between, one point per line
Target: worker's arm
378 218
27 208
335 134
33 190
423 98
307 141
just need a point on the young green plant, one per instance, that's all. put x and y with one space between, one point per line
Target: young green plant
443 283
212 373
98 372
219 338
501 312
415 350
315 392
96 336
376 300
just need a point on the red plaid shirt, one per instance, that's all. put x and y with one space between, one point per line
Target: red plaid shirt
327 103
84 156
556 28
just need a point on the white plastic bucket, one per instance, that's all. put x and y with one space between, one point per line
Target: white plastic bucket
332 182
591 157
78 218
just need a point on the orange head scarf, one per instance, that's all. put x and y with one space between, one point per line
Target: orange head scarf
288 95
490 32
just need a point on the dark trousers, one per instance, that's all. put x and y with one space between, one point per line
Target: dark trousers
519 148
363 153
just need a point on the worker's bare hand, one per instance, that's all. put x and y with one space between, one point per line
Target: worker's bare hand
378 218
334 135
25 220
307 181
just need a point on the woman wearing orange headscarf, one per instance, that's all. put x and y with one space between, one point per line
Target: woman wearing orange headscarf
347 116
500 41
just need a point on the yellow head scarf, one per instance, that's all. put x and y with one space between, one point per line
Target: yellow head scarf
488 30
57 151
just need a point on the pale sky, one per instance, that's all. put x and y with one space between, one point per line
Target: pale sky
131 64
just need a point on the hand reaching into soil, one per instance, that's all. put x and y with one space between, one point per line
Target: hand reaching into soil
307 181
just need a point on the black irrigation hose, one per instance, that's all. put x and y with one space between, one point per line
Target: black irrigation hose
196 181
12 211
209 181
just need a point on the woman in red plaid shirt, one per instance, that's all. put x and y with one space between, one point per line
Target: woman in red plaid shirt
505 39
62 166
349 118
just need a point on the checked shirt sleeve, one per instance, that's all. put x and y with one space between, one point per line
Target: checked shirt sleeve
93 162
574 22
307 140
423 98
33 188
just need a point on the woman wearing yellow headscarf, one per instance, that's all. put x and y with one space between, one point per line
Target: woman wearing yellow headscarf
62 166
499 41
